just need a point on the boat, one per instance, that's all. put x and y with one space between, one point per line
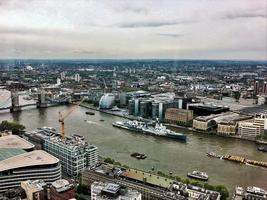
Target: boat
142 127
198 175
262 148
138 156
89 113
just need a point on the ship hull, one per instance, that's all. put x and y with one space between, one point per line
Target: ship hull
141 131
197 177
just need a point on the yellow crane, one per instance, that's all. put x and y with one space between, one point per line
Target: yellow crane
62 117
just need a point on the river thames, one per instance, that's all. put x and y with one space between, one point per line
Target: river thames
164 154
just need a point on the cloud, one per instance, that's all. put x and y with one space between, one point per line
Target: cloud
172 35
154 24
259 13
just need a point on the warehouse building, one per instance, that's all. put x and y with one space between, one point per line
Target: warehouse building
178 116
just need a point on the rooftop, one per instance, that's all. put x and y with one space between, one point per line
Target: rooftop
33 158
14 141
8 153
149 178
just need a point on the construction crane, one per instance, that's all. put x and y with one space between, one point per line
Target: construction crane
62 117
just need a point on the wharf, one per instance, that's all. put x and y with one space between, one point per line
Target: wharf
238 159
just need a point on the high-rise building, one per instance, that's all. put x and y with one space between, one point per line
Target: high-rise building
77 77
62 76
256 87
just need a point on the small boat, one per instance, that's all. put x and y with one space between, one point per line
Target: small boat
262 148
138 156
89 113
198 175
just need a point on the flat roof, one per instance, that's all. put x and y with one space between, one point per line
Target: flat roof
148 178
33 158
8 153
14 141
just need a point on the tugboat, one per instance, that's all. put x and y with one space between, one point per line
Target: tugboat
138 156
198 175
89 113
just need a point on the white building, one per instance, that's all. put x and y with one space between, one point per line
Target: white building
62 76
252 128
77 77
102 191
58 81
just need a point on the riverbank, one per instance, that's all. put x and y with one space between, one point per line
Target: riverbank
172 125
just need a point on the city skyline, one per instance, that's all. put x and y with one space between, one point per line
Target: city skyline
139 29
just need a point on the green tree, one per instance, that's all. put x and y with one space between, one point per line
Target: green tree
196 183
109 160
237 95
223 191
15 127
208 186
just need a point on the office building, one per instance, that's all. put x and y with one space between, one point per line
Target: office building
14 142
107 101
62 76
74 153
207 109
252 128
27 166
102 191
77 77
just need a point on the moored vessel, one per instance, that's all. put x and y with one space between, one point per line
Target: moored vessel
198 175
157 130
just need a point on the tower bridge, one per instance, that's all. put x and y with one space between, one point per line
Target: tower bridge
43 101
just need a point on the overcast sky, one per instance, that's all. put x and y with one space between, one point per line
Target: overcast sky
178 29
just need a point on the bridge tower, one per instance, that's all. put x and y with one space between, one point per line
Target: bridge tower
41 103
15 102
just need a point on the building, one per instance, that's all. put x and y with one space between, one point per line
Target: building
74 153
102 191
27 166
195 193
61 189
107 101
15 142
62 76
178 116
250 193
34 189
204 123
229 124
207 109
39 190
77 77
151 186
252 128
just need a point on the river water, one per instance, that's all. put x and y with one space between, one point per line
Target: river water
164 154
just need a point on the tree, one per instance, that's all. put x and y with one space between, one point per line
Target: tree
223 191
237 95
109 160
15 127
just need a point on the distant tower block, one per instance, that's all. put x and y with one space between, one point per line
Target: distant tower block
41 100
256 87
15 102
